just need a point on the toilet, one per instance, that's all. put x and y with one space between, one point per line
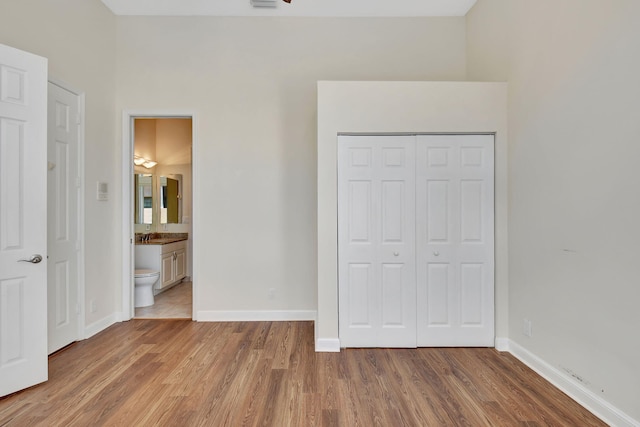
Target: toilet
144 281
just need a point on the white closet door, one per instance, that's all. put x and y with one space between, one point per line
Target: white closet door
376 241
455 245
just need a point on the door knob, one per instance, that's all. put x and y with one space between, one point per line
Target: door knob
396 253
436 253
35 259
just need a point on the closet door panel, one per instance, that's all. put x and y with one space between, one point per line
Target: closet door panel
376 228
454 223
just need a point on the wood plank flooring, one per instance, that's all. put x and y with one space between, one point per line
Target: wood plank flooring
183 373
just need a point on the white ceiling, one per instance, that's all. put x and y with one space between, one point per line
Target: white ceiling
324 8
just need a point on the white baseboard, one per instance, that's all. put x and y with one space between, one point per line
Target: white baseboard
101 325
256 316
328 345
578 392
502 344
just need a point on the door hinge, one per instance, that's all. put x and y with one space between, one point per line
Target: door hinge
78 245
78 309
78 119
78 182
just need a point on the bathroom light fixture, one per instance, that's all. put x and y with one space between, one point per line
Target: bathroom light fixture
266 3
141 161
263 3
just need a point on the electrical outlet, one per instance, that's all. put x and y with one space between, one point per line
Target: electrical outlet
526 327
272 293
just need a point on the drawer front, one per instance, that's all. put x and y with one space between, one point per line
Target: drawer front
172 247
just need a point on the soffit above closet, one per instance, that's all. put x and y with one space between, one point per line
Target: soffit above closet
311 8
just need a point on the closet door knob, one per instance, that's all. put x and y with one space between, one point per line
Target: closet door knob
396 253
436 253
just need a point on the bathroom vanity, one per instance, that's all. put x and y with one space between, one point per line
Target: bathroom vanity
166 255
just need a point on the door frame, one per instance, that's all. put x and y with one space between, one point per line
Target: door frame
128 309
81 200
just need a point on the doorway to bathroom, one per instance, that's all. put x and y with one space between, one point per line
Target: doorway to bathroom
158 225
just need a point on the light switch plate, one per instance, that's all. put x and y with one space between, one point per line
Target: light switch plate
102 191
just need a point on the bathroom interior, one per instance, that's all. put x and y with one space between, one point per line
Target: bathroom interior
162 218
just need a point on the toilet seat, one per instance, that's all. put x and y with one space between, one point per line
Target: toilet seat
145 273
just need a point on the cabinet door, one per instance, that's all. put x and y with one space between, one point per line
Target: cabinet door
181 264
168 269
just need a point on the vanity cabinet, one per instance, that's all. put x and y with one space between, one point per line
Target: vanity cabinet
169 259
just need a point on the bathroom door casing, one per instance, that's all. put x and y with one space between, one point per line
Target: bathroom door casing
415 240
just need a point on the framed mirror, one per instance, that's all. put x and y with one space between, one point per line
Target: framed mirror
143 213
171 199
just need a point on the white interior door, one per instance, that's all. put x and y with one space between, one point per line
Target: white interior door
63 217
376 241
23 220
455 234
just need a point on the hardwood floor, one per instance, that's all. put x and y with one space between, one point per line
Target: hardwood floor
183 373
174 303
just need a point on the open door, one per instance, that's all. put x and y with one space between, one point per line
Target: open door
23 220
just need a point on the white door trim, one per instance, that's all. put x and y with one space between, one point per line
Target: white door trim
127 202
81 224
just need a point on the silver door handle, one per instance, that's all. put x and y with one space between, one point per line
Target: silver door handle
436 253
396 253
35 259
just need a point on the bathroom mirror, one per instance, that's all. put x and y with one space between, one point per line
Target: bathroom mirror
143 198
171 199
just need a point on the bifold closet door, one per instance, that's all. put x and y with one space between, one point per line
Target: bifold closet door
455 240
376 241
415 240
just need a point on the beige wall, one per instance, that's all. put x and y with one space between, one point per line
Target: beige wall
488 45
78 38
252 83
574 133
173 141
144 141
